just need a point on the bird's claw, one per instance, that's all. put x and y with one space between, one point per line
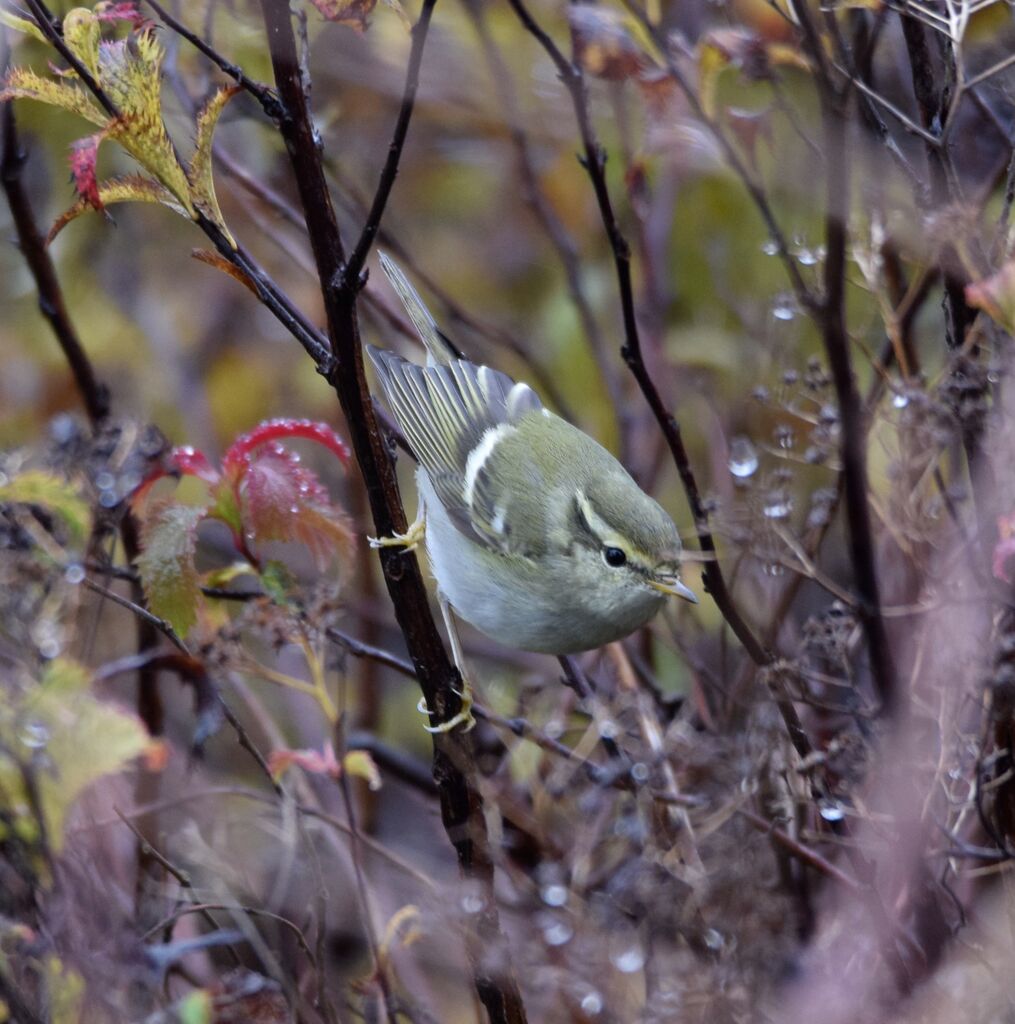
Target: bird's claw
463 718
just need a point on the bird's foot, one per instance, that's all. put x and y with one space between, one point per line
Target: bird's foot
463 718
408 541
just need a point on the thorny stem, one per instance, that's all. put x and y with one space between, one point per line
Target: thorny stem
454 768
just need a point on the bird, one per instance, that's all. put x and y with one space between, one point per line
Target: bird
535 534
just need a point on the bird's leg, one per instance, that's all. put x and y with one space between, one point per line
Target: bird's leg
408 541
464 717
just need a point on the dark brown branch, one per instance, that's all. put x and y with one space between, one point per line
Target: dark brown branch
454 768
354 265
93 392
265 96
594 161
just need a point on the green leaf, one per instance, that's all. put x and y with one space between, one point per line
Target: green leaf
81 737
277 581
195 1007
36 487
169 537
82 33
65 992
22 25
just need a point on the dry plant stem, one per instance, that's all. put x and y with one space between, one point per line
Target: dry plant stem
594 162
853 449
454 767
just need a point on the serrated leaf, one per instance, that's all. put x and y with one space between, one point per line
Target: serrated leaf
84 155
36 487
22 83
131 188
130 71
200 170
81 739
169 539
25 25
281 500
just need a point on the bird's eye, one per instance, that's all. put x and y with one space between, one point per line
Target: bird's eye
614 557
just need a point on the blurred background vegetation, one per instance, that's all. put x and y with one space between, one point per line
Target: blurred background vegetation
493 217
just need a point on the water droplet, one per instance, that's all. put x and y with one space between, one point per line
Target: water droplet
472 904
49 648
784 437
554 895
900 401
640 772
294 509
760 393
108 499
774 569
713 939
105 480
592 1004
608 729
74 573
743 461
831 810
35 735
557 934
784 308
554 728
770 247
807 257
778 507
629 961
63 428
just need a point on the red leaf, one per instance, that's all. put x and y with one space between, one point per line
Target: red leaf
83 156
283 500
185 461
353 13
238 457
128 10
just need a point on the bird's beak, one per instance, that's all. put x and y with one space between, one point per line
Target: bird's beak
674 588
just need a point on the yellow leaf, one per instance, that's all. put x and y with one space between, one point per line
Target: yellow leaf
82 34
130 188
130 71
362 765
65 992
80 737
21 83
22 25
58 496
200 171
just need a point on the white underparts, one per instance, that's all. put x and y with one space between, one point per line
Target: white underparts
478 456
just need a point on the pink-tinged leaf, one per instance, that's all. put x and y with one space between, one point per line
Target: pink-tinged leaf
129 11
188 461
83 156
130 188
995 295
281 500
166 563
213 259
354 13
238 457
184 461
318 762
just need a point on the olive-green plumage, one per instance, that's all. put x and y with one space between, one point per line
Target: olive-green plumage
536 534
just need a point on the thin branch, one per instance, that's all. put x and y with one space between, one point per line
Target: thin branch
595 164
354 265
264 95
454 767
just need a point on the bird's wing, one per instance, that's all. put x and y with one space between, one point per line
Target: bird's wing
455 418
